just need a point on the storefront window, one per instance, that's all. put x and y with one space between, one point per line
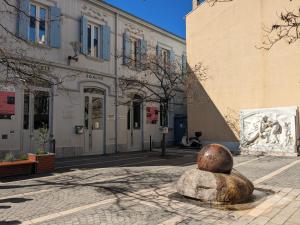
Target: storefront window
41 109
97 113
86 112
26 111
137 112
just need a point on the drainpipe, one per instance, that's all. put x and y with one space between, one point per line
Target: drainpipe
51 117
116 83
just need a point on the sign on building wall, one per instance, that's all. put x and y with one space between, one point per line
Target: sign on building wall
152 115
7 103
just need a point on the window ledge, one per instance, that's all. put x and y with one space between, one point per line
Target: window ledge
134 68
94 58
37 45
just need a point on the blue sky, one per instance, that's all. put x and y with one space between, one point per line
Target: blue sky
168 14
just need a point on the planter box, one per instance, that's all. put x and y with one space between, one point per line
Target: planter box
45 163
20 167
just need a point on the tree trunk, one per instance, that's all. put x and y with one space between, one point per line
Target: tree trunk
163 145
164 112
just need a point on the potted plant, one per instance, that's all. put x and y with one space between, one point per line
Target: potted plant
44 159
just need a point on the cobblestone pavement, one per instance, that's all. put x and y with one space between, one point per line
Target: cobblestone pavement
139 188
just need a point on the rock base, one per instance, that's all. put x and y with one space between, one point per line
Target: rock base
215 187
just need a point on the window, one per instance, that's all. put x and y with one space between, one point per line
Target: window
93 40
38 29
26 111
40 106
41 110
86 112
137 115
128 120
134 51
165 56
137 100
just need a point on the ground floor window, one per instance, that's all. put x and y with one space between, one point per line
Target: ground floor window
26 111
41 110
40 106
134 120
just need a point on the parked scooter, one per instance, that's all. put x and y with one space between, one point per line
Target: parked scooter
192 142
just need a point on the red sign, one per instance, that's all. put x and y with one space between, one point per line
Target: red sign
7 103
152 115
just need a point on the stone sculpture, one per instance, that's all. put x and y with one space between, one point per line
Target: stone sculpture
215 180
269 131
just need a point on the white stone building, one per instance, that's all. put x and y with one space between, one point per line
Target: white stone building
81 113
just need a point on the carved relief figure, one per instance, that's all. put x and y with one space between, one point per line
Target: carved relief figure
288 134
268 132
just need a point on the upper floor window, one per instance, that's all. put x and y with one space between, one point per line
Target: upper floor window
93 40
39 24
38 27
165 56
134 51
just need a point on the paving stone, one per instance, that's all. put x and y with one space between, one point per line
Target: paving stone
143 192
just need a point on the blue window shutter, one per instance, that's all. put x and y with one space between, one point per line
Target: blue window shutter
55 27
184 64
105 42
158 58
172 57
139 53
126 48
143 51
158 52
83 35
23 20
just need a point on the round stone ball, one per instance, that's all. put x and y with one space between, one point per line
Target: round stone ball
215 158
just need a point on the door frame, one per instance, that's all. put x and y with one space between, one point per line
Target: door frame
142 114
31 130
89 85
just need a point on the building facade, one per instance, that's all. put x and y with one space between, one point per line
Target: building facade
82 44
226 38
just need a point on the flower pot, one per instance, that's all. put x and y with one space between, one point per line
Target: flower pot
15 168
45 163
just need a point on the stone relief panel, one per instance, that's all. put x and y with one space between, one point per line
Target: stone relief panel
93 12
134 29
272 129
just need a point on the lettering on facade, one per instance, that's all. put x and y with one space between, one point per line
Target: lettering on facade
94 77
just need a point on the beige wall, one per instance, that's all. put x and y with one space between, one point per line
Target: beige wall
240 76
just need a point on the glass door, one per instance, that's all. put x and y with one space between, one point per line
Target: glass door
134 124
93 121
36 121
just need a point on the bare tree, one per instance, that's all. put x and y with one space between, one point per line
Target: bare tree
286 29
159 80
213 2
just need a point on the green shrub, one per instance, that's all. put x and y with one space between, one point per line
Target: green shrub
9 157
23 156
40 151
